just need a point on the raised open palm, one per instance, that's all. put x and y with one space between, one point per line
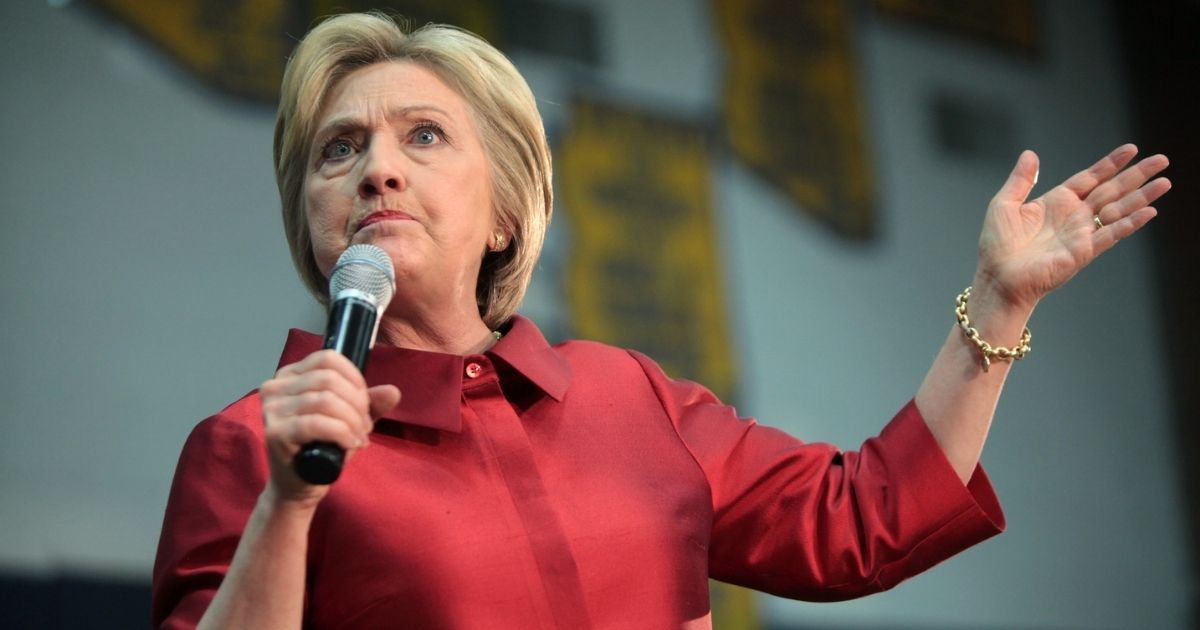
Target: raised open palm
1029 248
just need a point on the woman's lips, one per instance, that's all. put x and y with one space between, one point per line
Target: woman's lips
383 215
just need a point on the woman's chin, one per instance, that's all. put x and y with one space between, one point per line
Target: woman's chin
379 231
399 246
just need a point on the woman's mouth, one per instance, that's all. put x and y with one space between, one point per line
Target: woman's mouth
382 215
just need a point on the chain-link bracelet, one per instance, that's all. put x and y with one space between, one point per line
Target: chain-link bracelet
990 352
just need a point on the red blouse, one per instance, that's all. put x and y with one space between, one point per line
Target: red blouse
573 486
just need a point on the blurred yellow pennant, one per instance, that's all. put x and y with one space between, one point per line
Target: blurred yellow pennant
1011 25
644 266
241 46
792 105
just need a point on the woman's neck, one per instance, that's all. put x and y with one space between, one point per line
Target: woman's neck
448 334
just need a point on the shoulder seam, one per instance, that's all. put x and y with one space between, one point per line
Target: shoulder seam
671 421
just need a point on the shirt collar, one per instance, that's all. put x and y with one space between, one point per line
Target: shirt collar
525 350
431 382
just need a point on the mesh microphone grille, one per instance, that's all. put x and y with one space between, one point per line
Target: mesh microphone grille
364 268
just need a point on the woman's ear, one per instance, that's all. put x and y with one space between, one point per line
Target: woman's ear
498 241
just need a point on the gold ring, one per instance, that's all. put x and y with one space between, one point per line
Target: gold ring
1098 223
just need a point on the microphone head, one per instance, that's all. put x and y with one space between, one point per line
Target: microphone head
366 270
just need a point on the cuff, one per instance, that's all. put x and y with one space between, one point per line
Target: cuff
954 516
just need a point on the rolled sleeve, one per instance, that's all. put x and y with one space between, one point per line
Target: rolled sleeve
222 469
809 521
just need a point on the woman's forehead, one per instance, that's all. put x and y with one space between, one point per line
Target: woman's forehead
389 89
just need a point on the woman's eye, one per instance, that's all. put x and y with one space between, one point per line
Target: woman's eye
427 135
339 148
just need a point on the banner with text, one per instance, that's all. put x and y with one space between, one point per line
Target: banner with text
240 46
644 266
792 105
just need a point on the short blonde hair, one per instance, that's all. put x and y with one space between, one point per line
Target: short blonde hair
505 111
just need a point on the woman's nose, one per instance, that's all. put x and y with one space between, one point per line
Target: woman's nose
382 173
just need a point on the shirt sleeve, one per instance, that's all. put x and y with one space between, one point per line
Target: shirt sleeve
809 521
221 472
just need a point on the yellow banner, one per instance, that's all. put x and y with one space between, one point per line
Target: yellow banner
240 46
792 105
1011 25
237 47
644 266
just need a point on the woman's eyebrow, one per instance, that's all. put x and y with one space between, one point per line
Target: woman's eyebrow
356 122
409 110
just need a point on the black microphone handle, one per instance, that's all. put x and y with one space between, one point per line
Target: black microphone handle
351 326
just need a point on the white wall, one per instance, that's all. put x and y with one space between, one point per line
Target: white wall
146 284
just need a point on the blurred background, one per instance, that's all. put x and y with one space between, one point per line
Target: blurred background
779 199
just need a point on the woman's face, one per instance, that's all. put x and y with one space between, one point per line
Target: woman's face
397 162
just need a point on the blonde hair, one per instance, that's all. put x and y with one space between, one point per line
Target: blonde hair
506 114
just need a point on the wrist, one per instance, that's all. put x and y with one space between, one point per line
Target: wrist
998 324
279 504
992 302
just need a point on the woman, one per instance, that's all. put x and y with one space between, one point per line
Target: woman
518 485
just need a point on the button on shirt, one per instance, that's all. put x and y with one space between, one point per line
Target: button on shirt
571 487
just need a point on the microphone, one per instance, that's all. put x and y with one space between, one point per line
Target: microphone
360 287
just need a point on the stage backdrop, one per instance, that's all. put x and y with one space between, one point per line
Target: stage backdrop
146 284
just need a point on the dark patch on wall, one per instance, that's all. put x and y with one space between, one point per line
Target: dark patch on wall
73 601
972 127
1162 54
566 32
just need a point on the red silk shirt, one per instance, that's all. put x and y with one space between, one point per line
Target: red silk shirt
571 487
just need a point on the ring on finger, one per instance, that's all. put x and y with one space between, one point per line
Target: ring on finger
1099 223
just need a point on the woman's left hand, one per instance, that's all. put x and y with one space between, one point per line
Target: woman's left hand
1029 248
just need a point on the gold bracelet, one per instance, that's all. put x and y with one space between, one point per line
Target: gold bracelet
990 353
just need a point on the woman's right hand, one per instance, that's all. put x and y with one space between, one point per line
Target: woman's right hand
322 398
